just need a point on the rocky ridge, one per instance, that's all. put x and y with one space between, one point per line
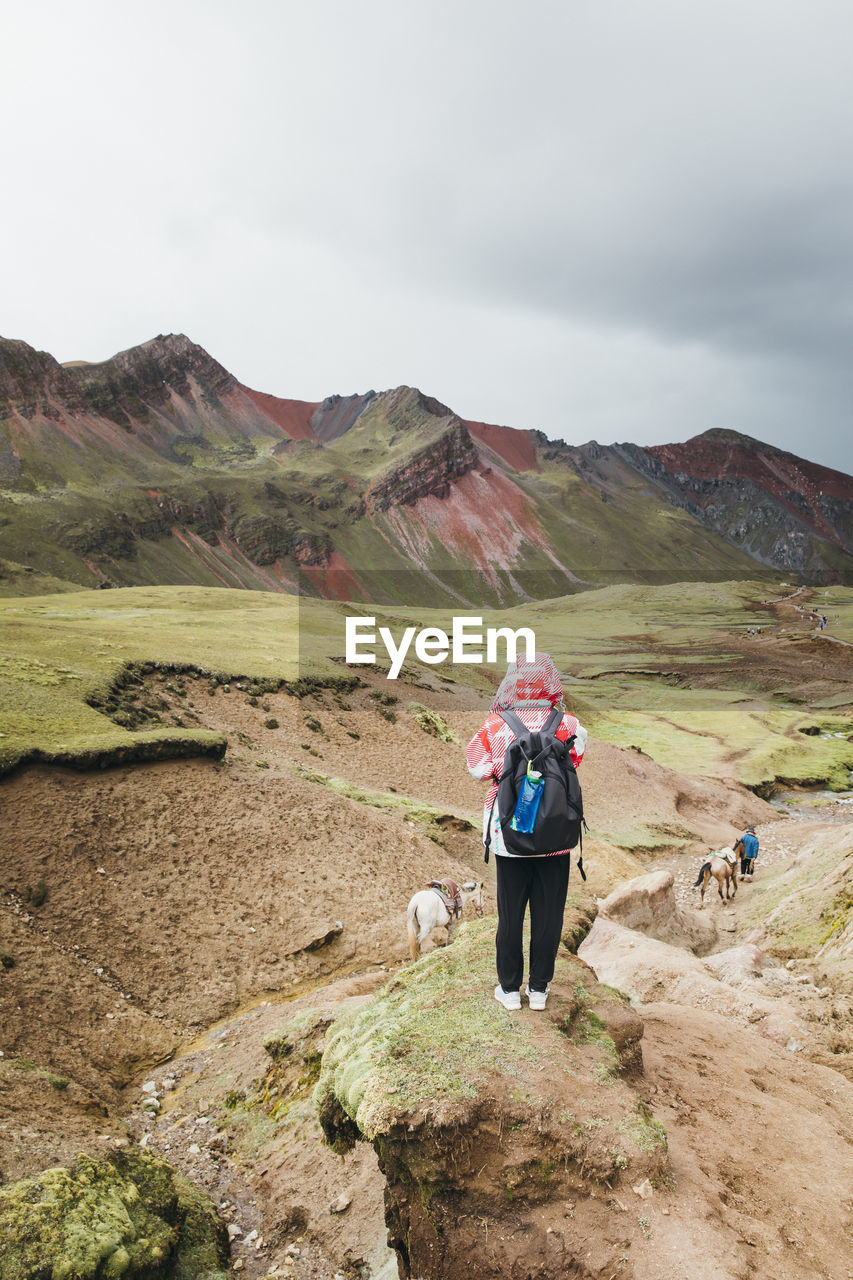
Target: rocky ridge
428 472
127 386
159 465
776 506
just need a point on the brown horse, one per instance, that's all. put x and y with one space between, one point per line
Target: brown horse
723 867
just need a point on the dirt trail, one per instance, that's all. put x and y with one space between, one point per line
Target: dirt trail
760 1145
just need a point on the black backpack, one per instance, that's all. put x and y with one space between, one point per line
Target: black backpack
560 814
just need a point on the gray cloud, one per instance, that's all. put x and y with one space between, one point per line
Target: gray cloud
605 220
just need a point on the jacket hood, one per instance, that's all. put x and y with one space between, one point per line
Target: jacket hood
536 681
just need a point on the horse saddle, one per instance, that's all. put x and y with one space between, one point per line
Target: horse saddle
450 894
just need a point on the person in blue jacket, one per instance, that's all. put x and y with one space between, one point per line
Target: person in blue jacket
747 847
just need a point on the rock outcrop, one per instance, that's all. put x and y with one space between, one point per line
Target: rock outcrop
33 382
337 414
127 386
741 984
502 1138
129 1215
648 904
449 453
428 472
783 510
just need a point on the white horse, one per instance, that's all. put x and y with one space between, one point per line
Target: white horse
427 911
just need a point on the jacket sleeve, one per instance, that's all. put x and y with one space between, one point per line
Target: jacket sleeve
571 726
478 754
579 746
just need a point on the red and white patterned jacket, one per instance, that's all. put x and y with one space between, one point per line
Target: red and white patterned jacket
530 689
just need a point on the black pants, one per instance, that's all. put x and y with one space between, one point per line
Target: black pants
544 883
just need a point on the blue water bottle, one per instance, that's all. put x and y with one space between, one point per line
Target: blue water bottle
527 804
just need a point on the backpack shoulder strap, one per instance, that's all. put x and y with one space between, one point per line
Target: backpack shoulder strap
518 726
515 723
552 724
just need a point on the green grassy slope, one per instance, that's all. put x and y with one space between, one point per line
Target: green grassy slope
621 528
660 668
665 669
25 580
58 651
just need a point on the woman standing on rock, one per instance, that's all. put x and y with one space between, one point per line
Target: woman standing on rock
531 696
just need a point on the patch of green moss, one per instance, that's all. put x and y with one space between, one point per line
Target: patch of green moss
413 1046
130 1215
295 1051
433 1034
282 1042
645 1133
305 686
55 1081
432 723
589 1029
383 699
835 917
431 820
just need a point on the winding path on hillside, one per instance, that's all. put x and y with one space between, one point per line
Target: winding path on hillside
814 614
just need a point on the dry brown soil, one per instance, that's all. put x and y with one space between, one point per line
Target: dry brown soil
191 905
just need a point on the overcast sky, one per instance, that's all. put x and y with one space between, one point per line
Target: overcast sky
609 219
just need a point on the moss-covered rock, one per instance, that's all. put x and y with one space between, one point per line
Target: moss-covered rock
295 1051
130 1215
474 1111
432 723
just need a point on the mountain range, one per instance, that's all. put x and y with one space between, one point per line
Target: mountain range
159 466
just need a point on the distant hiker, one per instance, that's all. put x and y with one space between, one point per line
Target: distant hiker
747 849
527 711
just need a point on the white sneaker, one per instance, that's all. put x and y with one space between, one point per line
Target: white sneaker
537 998
509 999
